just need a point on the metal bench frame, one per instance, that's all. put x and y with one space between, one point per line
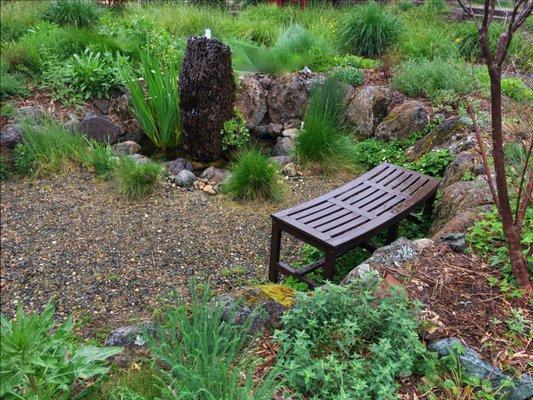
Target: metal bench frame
350 215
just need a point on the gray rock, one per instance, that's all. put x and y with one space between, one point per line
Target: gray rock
403 120
367 107
270 130
284 147
251 101
213 174
11 135
102 105
125 148
290 170
281 160
455 240
140 159
31 112
291 133
292 124
184 178
474 365
100 128
130 335
458 198
446 134
178 165
395 255
287 98
454 172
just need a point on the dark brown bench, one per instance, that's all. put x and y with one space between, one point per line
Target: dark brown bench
349 216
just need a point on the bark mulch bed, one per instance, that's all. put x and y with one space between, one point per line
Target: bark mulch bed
72 240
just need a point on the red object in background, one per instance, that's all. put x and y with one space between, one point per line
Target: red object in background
302 3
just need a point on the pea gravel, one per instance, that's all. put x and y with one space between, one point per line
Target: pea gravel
71 239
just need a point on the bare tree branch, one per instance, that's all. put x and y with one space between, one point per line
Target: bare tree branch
523 179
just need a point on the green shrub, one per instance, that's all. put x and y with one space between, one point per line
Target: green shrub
516 89
155 104
49 147
430 78
40 362
322 140
78 13
135 180
11 85
349 75
372 152
253 177
205 353
370 30
235 134
433 163
348 342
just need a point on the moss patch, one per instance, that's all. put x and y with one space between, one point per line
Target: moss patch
279 293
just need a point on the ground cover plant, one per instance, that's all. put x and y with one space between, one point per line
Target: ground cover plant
136 179
346 342
39 361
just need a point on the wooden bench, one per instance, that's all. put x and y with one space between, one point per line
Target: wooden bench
349 216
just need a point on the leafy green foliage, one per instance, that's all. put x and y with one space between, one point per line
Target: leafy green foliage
78 13
253 176
372 152
428 40
430 78
40 363
433 163
347 342
349 75
49 147
321 140
516 89
370 30
156 106
235 134
134 179
204 351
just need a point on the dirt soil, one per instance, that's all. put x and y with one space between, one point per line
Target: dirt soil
72 240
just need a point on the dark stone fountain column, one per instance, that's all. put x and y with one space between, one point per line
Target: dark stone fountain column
207 95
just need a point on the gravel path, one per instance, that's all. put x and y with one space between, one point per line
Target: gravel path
71 239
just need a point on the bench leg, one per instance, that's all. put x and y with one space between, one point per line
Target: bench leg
392 233
274 252
329 265
428 207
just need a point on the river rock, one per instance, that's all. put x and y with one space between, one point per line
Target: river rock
215 175
284 146
251 101
287 98
403 120
184 178
127 147
176 166
366 108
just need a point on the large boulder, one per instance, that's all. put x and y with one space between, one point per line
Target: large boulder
454 172
207 96
251 101
447 133
367 107
395 256
459 198
287 98
403 120
10 135
100 128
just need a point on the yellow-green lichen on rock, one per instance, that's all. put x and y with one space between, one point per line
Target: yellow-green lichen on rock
279 293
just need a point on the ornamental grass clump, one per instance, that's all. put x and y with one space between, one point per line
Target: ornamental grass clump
322 140
253 177
349 342
78 13
135 179
155 101
370 30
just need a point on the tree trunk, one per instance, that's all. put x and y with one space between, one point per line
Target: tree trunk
511 231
